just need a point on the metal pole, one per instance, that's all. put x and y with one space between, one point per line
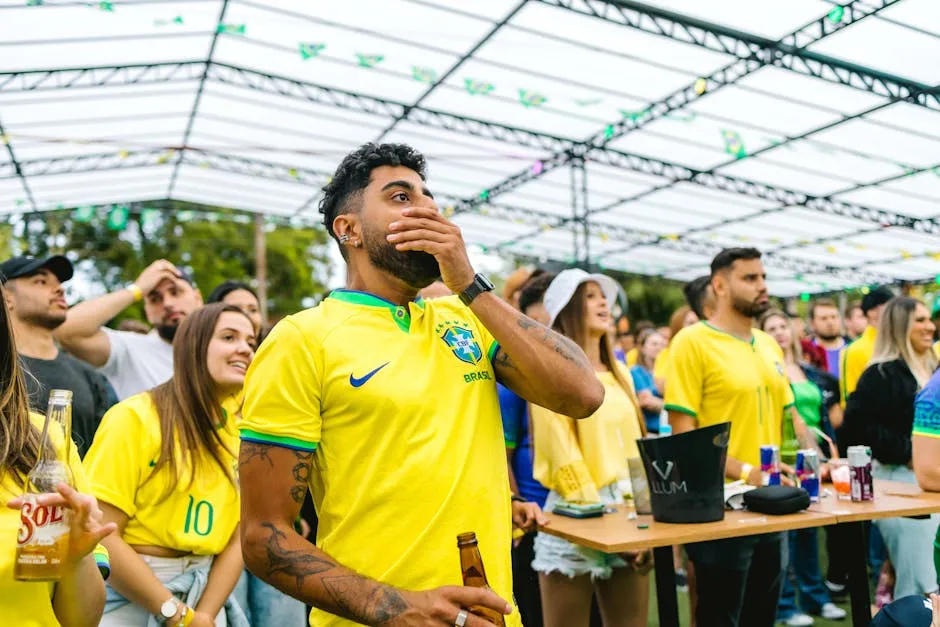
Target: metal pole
261 266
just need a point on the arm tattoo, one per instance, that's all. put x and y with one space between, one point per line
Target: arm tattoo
291 562
563 346
251 451
379 606
301 473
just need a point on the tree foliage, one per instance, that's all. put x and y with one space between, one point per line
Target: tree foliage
214 246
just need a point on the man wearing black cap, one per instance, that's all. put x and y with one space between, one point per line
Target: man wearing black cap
133 363
855 358
34 297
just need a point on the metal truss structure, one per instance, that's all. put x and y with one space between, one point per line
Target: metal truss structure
764 180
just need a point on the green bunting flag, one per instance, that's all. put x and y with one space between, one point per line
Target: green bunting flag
35 3
231 29
835 16
688 116
106 6
176 20
609 131
308 51
369 60
149 216
83 214
734 145
633 115
184 216
423 74
475 87
117 217
531 99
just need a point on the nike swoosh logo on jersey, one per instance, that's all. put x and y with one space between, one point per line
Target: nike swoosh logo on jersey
358 383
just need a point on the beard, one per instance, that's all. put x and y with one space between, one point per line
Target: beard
46 320
749 308
416 268
828 337
167 331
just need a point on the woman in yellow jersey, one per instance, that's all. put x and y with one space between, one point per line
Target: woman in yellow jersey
585 460
78 598
163 465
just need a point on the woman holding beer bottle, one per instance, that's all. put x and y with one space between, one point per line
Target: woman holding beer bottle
74 596
583 461
163 465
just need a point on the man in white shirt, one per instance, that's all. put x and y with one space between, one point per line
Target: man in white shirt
133 363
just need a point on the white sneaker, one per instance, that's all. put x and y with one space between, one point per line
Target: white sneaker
799 620
831 611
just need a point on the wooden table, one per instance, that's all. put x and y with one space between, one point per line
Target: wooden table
615 533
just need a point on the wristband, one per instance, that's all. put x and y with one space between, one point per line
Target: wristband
138 294
103 560
745 472
187 617
518 499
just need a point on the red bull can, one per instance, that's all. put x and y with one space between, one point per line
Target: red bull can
770 464
807 472
860 478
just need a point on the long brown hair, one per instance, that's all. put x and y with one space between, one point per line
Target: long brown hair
19 437
570 322
188 403
894 339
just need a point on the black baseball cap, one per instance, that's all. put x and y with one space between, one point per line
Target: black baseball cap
18 267
912 611
876 297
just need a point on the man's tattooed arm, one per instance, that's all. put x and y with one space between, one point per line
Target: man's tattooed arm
273 485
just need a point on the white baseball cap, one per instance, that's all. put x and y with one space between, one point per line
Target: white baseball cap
564 285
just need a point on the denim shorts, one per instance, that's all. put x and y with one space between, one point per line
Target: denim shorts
556 555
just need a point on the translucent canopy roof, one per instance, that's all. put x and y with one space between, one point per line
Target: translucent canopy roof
638 136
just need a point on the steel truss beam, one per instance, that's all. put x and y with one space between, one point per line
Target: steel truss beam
747 63
580 213
638 237
786 54
16 167
198 98
76 78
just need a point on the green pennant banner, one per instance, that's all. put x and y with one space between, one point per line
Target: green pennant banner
83 214
117 217
423 74
149 216
369 60
734 145
308 51
475 87
531 99
231 29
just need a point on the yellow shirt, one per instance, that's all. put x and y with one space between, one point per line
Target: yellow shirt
716 377
631 357
198 519
27 604
400 405
604 440
661 367
855 359
936 349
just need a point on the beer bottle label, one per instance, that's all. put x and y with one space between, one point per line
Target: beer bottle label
41 525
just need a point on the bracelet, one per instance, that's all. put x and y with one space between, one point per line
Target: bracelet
518 499
745 472
186 617
136 291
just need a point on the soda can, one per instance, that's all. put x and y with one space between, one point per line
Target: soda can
770 464
860 476
807 472
810 483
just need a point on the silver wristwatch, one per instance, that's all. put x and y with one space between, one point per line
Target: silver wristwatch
168 610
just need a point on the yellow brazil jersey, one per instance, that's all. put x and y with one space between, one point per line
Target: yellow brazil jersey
631 357
661 367
717 377
197 518
400 405
855 359
604 440
27 604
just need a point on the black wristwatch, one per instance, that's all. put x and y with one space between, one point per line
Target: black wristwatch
480 284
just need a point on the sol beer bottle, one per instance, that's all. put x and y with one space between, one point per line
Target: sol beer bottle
474 576
43 540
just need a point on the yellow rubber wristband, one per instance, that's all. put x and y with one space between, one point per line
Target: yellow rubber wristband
138 295
746 472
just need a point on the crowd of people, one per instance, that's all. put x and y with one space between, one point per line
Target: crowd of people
239 475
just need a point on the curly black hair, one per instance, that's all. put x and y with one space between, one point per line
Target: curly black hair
353 174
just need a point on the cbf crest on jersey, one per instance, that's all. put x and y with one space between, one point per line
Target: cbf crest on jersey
460 340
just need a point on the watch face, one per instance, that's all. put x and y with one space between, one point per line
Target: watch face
168 609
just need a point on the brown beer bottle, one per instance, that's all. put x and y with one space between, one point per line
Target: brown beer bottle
474 576
42 543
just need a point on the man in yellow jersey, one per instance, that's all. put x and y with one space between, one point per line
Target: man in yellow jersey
856 356
386 408
722 370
